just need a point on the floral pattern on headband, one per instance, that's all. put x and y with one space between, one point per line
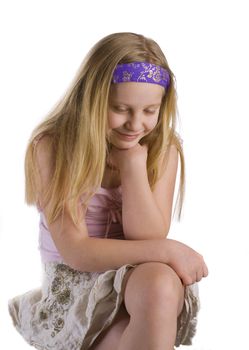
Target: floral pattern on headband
141 72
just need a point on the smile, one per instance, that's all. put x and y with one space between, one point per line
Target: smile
127 137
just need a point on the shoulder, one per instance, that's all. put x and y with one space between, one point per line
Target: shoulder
42 144
171 154
43 150
169 158
45 161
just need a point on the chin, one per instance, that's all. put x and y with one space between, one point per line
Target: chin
124 145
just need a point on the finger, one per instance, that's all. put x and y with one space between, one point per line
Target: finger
199 275
187 280
205 270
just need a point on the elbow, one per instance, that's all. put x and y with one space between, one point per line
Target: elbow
162 234
140 233
166 230
166 227
77 257
79 264
85 257
73 262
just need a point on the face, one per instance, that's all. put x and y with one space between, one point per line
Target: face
133 112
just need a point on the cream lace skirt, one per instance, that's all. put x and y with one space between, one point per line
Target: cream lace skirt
72 308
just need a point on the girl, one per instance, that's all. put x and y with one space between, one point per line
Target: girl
101 170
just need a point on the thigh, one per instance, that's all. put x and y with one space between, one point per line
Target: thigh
152 284
110 338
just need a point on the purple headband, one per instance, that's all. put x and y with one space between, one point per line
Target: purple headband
142 72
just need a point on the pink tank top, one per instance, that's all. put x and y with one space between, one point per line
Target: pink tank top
103 220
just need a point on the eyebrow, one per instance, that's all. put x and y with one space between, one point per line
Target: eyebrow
126 105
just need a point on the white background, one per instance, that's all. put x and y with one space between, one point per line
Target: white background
206 43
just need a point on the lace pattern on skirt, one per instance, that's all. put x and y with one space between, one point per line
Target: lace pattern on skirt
72 308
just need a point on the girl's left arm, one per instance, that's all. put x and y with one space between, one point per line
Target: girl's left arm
147 214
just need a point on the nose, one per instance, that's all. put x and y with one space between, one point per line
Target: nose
135 123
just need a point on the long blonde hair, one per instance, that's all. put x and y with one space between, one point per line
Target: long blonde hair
78 128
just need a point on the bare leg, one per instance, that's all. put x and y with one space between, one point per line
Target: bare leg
153 298
110 338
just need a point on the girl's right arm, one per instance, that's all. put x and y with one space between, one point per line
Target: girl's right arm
84 253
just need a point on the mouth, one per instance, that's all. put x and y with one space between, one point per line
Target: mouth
127 136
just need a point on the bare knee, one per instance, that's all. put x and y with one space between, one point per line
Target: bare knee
153 286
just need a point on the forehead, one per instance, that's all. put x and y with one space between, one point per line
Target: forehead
132 93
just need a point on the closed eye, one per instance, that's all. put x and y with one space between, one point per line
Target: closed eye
126 110
150 111
119 109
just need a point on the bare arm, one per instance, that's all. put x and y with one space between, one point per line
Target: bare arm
141 216
98 254
145 214
73 243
